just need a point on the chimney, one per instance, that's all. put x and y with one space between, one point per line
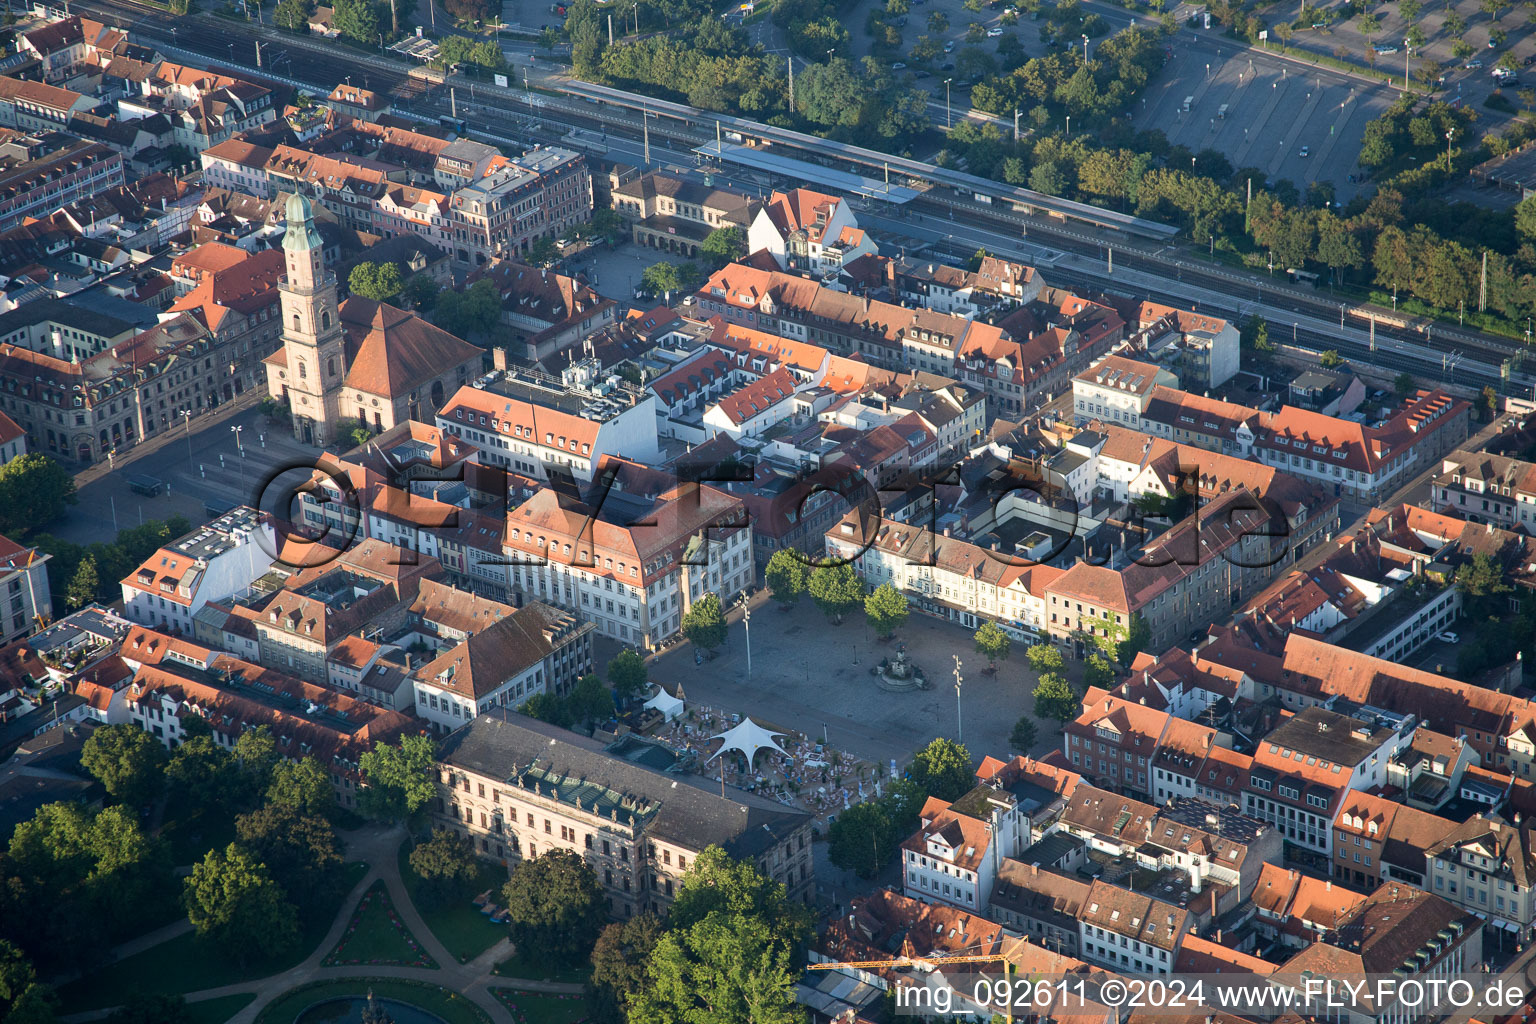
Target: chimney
499 357
1034 869
407 661
1328 885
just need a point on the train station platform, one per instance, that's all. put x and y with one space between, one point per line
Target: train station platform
833 180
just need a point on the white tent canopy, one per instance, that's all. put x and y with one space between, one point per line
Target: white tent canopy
670 707
748 738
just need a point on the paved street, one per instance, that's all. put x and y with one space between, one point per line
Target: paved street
809 675
205 466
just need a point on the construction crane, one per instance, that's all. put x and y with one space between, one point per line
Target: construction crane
920 961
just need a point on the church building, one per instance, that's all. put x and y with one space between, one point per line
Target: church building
363 360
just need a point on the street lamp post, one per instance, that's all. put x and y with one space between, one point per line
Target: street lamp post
186 415
1293 332
241 449
1069 126
959 726
1085 49
1448 136
1407 53
746 619
946 103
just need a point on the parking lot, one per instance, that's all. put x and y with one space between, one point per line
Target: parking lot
1280 118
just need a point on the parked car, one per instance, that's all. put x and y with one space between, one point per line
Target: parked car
947 67
994 32
1448 637
1384 48
898 66
1472 65
1305 151
949 46
1528 61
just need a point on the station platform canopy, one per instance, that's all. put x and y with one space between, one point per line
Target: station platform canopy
845 182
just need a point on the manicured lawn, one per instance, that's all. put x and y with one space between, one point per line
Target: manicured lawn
185 964
539 1008
376 935
537 968
458 925
217 1011
450 1006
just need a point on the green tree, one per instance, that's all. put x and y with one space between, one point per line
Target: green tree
1255 334
23 999
886 609
300 851
421 292
938 21
1403 384
1525 218
547 707
255 757
661 278
555 905
590 701
398 780
475 311
730 953
1329 358
1023 735
83 585
1044 657
1368 24
542 252
618 965
1099 671
1055 698
1482 577
234 902
33 492
943 769
548 39
380 282
992 643
627 674
302 785
723 245
787 576
704 625
358 20
293 15
127 761
1129 641
835 588
202 772
446 865
860 839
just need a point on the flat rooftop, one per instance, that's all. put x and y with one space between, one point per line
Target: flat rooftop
214 538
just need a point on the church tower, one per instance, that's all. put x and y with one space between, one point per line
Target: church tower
312 337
